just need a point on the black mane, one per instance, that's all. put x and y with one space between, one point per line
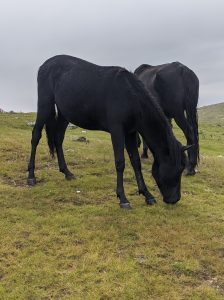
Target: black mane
141 68
137 89
177 89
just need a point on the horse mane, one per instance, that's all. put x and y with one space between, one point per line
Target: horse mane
141 68
136 88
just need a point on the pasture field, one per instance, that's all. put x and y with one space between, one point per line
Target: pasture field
70 240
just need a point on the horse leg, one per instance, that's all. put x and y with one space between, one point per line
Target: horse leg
45 114
61 126
189 134
36 136
117 137
145 150
170 121
136 164
138 140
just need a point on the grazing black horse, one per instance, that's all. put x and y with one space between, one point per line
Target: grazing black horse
176 87
113 100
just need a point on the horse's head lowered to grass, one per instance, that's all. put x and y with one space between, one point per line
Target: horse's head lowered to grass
168 177
169 155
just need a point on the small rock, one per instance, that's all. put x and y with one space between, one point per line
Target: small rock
80 139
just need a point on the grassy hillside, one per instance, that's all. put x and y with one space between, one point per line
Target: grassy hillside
212 114
70 240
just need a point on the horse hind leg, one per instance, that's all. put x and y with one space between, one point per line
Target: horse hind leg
145 150
61 126
188 132
46 111
36 136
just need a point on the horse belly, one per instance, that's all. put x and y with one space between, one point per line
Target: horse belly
83 114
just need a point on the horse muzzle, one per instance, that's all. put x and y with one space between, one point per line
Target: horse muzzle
172 199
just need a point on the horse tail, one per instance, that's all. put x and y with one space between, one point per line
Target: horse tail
50 128
46 111
191 84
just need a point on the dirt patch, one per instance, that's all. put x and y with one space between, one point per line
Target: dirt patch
19 182
214 283
96 174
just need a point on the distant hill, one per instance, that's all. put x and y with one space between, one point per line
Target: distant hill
213 114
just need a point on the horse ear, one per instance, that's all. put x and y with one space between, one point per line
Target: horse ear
185 148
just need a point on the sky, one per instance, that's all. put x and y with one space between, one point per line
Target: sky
125 33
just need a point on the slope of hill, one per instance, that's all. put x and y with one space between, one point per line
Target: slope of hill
70 240
213 114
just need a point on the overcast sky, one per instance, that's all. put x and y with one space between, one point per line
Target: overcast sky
109 32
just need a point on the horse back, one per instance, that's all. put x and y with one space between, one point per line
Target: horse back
170 82
88 95
176 83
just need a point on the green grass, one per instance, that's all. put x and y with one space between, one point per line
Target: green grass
59 244
212 114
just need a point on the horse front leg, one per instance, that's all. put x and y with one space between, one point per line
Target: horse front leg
117 137
136 164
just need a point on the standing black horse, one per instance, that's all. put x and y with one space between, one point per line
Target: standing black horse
113 100
176 87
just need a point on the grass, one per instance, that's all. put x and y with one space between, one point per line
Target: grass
70 240
212 114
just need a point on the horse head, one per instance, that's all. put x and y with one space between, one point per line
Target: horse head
167 175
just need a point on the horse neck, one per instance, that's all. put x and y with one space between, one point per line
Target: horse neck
156 131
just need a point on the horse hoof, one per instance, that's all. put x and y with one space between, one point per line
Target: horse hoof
125 205
31 181
70 177
150 201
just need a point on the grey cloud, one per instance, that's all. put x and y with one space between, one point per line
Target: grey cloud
118 32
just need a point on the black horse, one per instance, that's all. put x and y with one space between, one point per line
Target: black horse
113 100
175 87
